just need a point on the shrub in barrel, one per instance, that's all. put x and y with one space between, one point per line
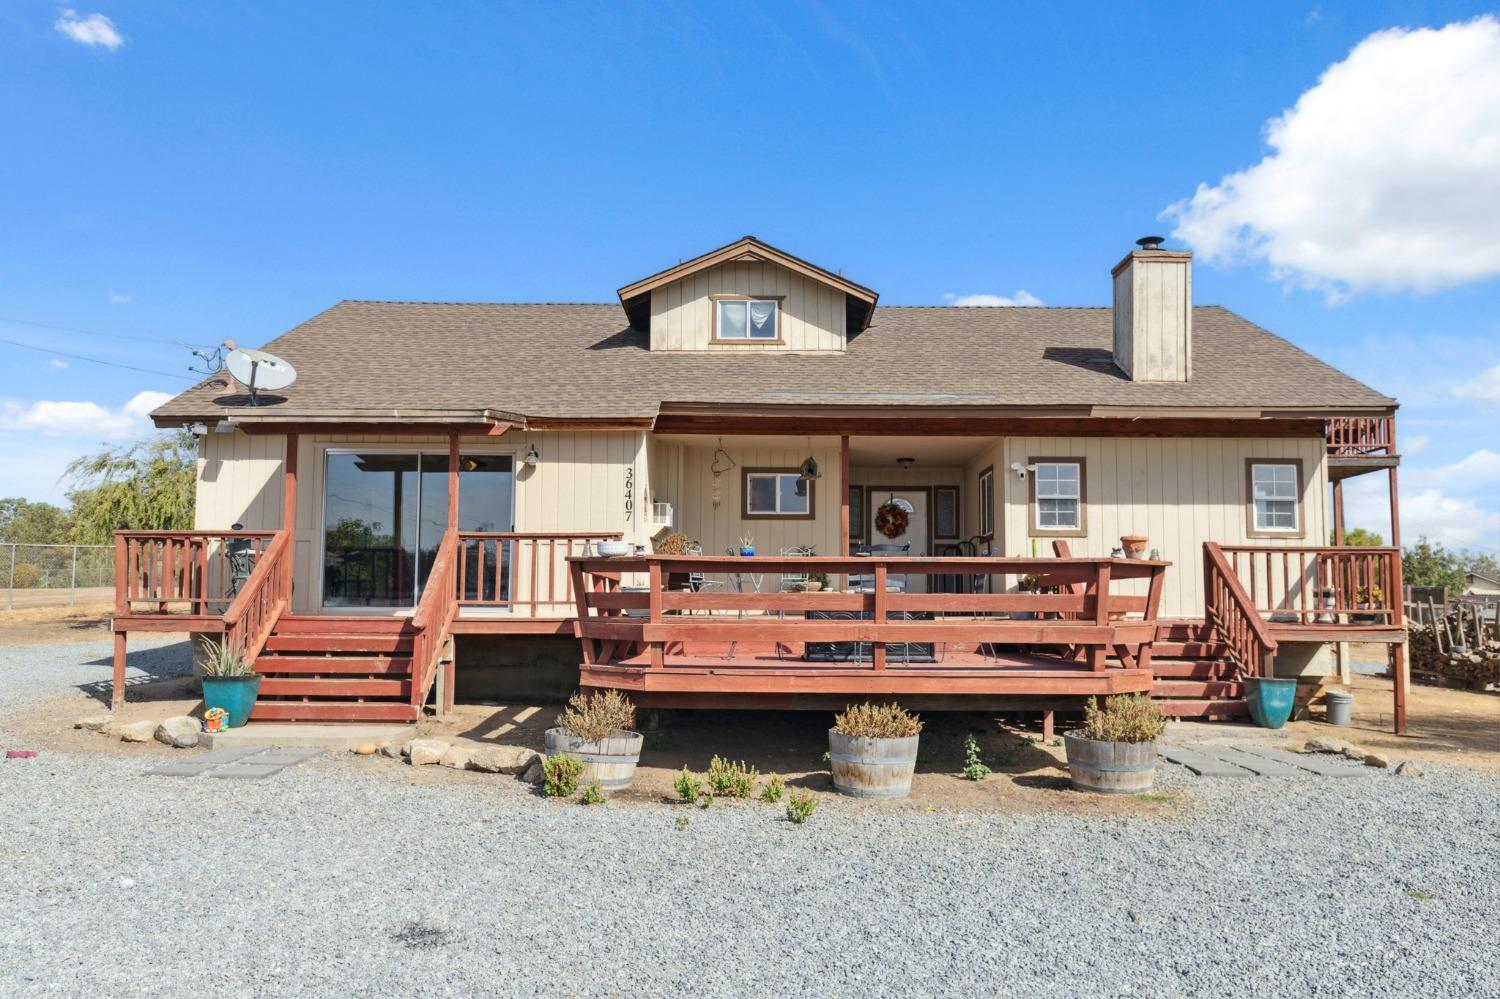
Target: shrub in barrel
1115 751
872 750
598 729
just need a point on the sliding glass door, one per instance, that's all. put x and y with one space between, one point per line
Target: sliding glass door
384 513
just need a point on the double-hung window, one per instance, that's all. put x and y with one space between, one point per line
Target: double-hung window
747 319
1057 501
776 493
1275 493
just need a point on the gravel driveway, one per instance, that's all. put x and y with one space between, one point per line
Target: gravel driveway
331 880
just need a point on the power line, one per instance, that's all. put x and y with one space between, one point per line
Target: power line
95 360
112 336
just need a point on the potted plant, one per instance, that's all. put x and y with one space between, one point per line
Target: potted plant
1134 545
230 684
1115 751
675 543
872 750
1367 598
1270 699
599 729
747 546
816 582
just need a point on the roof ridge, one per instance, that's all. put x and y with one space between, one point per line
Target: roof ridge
616 305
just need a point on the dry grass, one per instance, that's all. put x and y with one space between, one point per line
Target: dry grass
595 716
877 721
1124 718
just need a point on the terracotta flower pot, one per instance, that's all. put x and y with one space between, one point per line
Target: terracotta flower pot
1134 545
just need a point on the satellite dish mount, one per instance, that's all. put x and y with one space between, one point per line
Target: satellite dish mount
257 370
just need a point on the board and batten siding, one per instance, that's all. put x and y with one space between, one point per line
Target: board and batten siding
1179 492
812 314
1153 318
720 528
579 485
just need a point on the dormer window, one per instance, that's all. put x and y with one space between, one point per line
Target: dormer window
739 319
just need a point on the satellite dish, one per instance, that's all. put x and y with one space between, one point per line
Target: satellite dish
259 370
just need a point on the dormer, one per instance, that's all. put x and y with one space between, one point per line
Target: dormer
748 296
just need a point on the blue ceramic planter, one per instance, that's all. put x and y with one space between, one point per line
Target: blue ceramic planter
747 552
235 694
1270 700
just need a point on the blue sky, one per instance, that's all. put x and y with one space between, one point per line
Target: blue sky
191 172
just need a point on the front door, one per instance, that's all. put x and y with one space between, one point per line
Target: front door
384 514
914 503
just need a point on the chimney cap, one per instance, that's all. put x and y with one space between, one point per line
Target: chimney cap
1150 242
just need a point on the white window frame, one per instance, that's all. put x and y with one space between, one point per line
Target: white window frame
778 474
987 502
1038 495
750 333
1257 527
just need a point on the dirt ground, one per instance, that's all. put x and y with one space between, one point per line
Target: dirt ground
54 624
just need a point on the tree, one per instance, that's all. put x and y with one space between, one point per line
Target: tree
33 523
1361 538
146 486
1429 564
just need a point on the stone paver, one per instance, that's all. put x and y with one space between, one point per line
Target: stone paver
247 771
1204 764
228 754
1311 762
251 762
184 769
1263 763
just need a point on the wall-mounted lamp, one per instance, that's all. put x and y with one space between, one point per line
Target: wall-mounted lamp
532 458
906 462
225 427
1021 469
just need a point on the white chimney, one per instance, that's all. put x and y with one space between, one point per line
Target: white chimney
1154 313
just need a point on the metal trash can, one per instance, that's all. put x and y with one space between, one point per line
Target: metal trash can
1340 707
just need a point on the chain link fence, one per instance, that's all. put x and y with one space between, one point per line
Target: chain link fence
49 575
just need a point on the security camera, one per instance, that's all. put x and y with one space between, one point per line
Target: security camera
1021 469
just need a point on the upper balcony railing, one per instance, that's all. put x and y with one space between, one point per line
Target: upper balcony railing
525 573
1352 585
1361 436
192 573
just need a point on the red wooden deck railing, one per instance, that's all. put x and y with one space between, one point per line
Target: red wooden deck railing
432 622
1295 584
1361 436
523 572
643 627
178 572
261 601
1233 615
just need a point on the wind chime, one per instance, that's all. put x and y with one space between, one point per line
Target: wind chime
721 464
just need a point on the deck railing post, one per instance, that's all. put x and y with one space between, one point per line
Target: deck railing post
878 615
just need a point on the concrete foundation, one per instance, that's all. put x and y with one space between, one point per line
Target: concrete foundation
517 667
341 737
1304 659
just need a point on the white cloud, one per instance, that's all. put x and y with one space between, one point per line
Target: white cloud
1021 297
57 364
1457 504
1385 175
91 29
1414 444
1484 386
115 298
82 419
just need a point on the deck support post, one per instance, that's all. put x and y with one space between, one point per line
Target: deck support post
117 688
1047 720
1338 513
844 495
453 459
1400 675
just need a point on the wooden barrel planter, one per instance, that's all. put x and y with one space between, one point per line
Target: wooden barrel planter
1110 767
609 761
863 767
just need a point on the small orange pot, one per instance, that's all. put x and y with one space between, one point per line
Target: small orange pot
1134 545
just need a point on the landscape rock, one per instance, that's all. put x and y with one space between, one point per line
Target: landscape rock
93 723
392 750
535 774
425 752
456 757
141 731
365 749
179 731
504 759
1377 760
1409 769
1327 744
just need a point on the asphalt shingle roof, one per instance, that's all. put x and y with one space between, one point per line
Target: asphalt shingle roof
374 359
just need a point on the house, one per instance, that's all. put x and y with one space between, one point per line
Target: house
419 512
1482 585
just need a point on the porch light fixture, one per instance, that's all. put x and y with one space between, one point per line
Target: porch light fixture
906 462
532 458
198 429
225 427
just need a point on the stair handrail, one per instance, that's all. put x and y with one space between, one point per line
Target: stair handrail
434 618
266 595
1232 615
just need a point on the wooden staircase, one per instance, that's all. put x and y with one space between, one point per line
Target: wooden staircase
324 668
1193 676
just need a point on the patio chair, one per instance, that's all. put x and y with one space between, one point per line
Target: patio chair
893 584
697 582
239 554
790 581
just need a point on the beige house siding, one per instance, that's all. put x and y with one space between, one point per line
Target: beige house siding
1179 492
1153 318
992 456
897 479
579 485
812 314
718 529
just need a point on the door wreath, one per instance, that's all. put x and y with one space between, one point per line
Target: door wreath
891 520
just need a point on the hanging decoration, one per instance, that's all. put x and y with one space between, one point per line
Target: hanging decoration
721 463
891 519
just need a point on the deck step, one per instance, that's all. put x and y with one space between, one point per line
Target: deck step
1188 650
1203 708
1197 688
333 686
325 625
339 643
1191 669
334 665
333 711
